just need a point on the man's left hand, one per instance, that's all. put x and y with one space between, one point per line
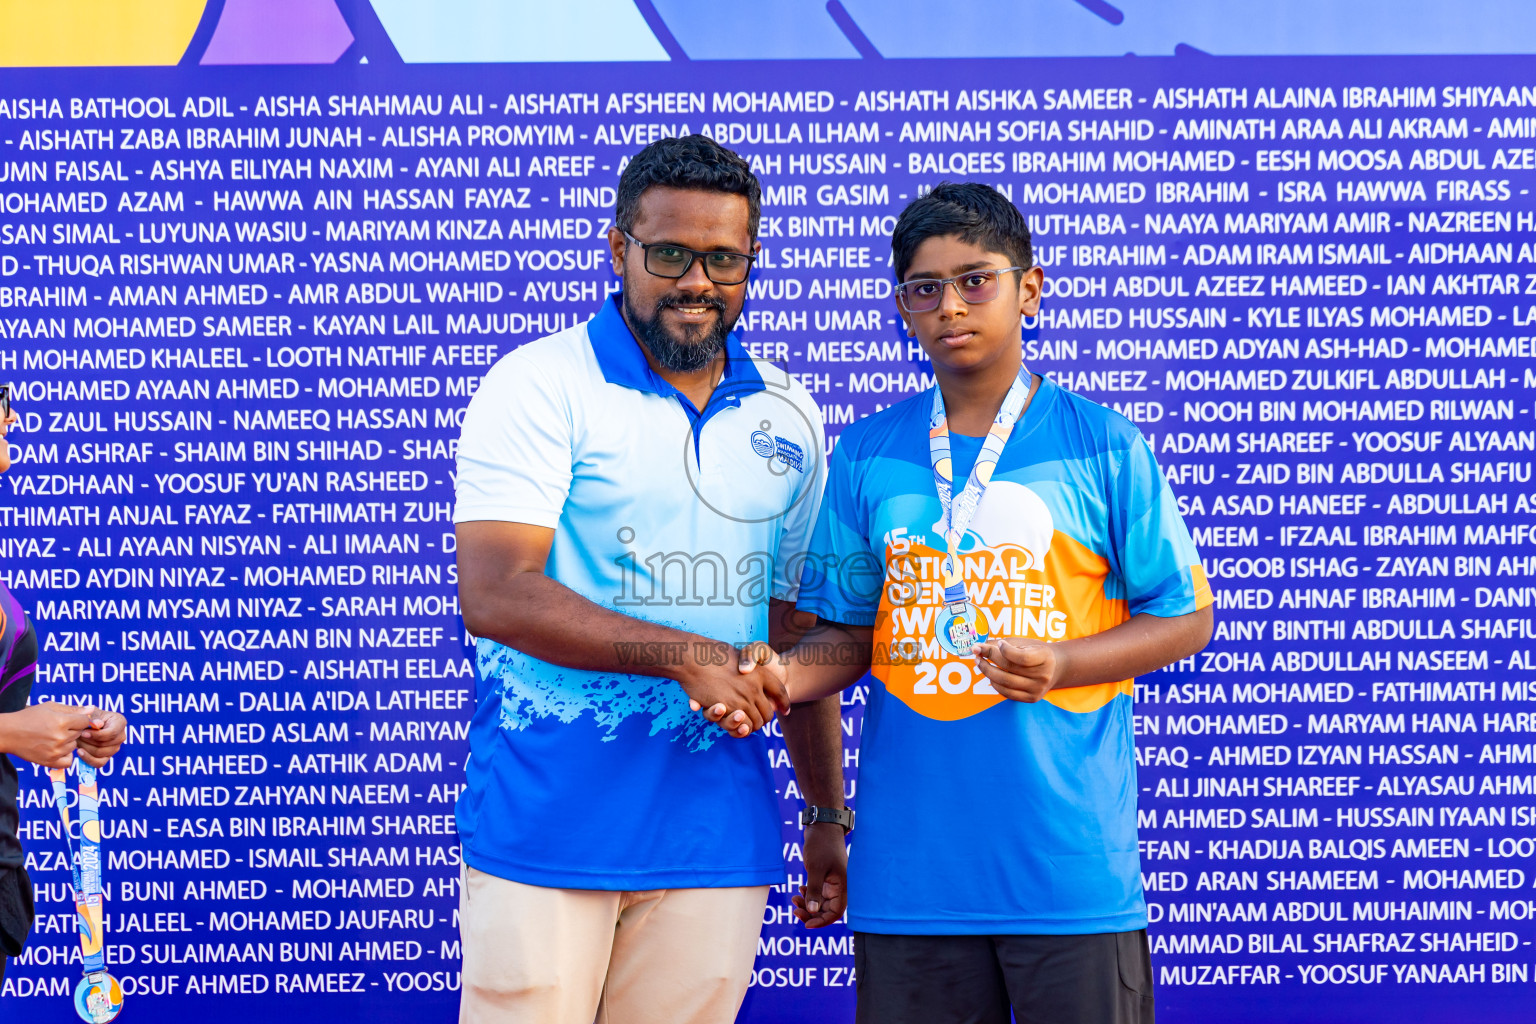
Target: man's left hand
1020 669
824 896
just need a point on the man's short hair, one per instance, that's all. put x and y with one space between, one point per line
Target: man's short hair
693 162
978 214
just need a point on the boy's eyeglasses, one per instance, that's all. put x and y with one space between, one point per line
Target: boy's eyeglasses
5 402
923 294
664 259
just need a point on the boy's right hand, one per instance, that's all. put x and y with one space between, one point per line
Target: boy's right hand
45 734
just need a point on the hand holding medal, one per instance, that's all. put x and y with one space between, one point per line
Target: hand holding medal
1020 669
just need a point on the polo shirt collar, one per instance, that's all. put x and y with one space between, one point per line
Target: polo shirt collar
623 362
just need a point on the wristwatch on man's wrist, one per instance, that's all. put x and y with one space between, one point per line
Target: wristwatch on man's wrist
836 815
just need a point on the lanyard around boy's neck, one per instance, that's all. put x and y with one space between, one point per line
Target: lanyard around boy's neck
957 629
98 997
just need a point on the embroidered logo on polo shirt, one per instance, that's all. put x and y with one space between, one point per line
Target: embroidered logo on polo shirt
773 447
789 453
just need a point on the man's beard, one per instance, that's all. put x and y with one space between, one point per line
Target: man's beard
689 353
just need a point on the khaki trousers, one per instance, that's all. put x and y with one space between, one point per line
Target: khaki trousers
534 955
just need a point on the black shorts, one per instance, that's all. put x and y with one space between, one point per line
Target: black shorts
977 979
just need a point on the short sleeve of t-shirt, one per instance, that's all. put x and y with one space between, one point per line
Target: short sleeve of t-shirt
842 577
515 448
800 520
1152 551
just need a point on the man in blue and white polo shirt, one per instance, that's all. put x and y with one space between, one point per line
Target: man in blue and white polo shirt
634 498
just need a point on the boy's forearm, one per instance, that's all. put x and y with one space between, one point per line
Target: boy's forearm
811 681
830 658
1143 644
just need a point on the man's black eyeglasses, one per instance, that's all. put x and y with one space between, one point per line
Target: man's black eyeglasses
5 402
665 259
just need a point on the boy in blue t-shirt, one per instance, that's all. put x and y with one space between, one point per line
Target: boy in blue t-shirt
1004 614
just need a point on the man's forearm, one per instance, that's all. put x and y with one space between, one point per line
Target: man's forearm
1143 644
536 615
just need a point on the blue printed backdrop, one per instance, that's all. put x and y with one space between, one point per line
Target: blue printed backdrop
1311 299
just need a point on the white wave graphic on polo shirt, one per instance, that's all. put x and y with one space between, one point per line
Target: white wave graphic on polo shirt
610 699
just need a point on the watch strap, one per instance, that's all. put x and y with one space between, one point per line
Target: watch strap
835 815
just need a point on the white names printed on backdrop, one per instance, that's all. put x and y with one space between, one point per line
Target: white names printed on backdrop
242 329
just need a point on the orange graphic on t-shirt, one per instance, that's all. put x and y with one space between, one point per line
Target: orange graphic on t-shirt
1015 593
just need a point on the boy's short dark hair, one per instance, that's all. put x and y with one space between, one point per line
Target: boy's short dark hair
979 214
691 162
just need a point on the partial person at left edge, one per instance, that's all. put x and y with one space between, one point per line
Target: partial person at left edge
47 734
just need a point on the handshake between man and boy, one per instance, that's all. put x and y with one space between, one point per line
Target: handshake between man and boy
998 555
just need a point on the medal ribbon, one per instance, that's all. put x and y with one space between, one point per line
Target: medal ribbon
84 862
958 510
